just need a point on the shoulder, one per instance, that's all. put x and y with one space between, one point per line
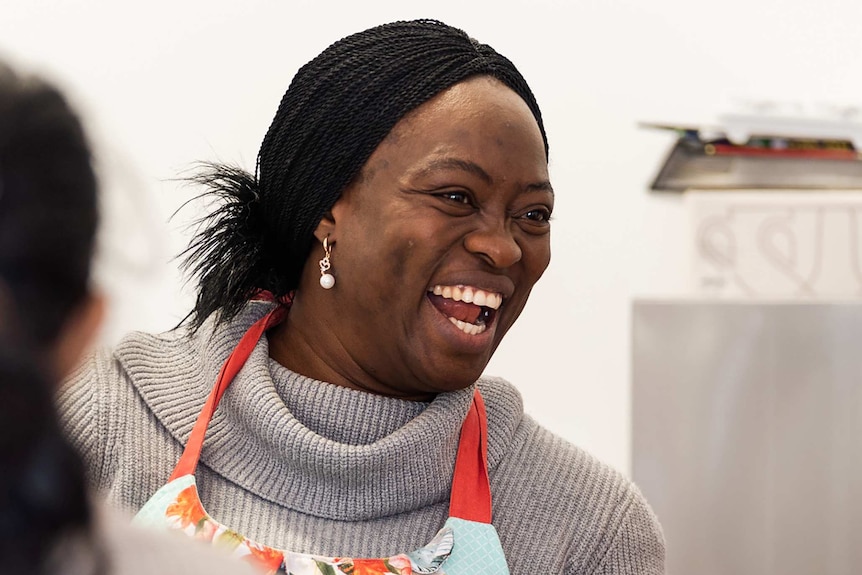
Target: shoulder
140 364
103 366
180 357
553 499
98 404
108 374
98 367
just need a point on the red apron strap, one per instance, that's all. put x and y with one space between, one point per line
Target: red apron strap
192 452
471 490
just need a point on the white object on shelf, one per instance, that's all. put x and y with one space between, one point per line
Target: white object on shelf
818 121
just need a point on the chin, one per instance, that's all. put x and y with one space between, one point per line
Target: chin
455 380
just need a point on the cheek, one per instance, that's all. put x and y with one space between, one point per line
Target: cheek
400 258
385 260
414 244
537 256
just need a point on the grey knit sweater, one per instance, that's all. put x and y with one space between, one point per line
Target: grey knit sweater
316 468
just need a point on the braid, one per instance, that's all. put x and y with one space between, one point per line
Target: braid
228 254
336 111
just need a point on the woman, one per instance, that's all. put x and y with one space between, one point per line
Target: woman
48 315
351 293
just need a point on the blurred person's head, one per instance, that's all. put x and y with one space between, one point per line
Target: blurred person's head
48 217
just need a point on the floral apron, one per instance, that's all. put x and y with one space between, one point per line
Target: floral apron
467 543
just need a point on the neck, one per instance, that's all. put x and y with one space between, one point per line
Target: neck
310 347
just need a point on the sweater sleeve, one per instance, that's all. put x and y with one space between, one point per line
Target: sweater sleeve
638 546
83 403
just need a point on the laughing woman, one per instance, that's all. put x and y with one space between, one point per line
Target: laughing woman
323 408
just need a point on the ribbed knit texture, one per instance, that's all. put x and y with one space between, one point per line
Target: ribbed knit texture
315 468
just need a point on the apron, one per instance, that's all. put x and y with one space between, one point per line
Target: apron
467 543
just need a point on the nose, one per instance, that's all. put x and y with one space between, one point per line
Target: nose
495 244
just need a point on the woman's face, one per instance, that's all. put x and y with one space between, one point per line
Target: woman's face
437 243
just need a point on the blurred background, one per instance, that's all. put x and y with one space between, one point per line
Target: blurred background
163 84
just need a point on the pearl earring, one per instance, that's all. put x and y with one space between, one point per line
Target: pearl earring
327 280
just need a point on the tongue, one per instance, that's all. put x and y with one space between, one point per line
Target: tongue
466 312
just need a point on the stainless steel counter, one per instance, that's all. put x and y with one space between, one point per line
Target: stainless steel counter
747 434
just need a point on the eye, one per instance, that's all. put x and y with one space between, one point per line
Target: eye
538 215
456 197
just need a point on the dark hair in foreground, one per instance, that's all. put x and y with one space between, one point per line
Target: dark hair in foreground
47 229
338 108
43 497
48 211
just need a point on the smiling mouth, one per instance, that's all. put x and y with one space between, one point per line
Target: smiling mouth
470 309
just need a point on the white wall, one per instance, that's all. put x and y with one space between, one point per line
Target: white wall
164 83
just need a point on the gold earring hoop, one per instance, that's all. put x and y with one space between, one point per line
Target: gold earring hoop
327 280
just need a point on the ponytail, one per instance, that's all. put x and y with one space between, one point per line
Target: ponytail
227 254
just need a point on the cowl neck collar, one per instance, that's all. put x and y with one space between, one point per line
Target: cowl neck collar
311 446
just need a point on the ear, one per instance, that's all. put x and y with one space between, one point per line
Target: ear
78 333
328 226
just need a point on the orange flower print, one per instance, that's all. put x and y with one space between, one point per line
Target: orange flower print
265 558
186 509
227 540
369 567
401 564
205 530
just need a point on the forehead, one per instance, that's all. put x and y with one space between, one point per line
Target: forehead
480 116
474 98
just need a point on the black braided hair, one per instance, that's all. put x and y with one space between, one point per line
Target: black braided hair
337 109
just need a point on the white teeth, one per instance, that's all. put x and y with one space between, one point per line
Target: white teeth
468 328
469 295
480 298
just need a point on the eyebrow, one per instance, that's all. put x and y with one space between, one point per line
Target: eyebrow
476 169
540 187
455 163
